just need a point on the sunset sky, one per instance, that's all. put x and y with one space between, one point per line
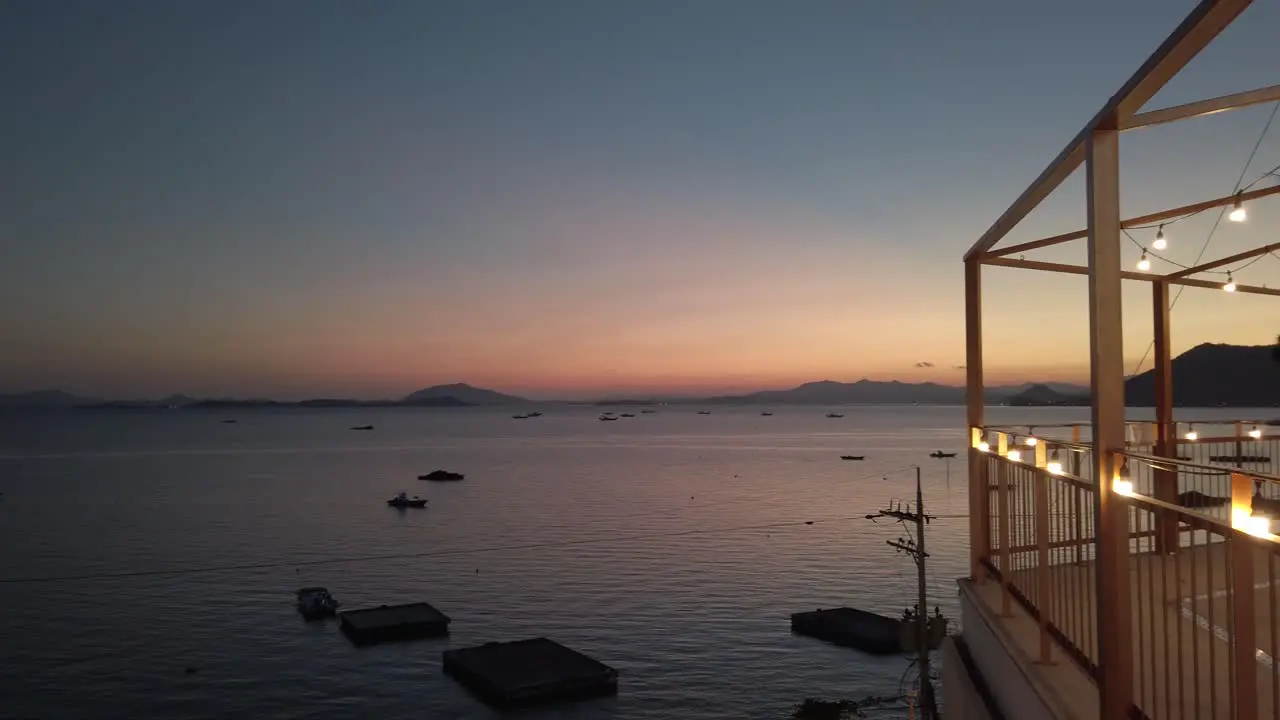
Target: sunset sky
580 198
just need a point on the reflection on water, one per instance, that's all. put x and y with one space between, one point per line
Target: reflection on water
640 542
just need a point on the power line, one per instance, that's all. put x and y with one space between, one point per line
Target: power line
442 553
1221 212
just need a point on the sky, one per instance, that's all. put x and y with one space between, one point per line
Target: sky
583 198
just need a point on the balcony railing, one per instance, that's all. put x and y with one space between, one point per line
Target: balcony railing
1202 568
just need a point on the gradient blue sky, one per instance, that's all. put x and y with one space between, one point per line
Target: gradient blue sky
572 198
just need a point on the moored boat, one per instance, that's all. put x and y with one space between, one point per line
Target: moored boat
315 603
402 500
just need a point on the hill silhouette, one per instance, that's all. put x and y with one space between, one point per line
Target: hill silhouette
1211 375
461 391
873 392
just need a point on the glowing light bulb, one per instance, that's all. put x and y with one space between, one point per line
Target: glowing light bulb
1256 525
1255 433
1191 433
1144 264
1237 213
1160 243
1031 441
1054 466
1122 486
1014 455
1230 284
984 447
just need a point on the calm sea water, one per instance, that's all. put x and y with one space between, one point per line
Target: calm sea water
639 542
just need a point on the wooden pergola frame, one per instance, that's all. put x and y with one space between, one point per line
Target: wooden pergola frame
1096 147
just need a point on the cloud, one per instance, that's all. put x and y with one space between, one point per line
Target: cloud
923 364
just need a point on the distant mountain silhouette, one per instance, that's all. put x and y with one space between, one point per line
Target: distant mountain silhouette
1211 375
40 399
463 392
1041 395
869 392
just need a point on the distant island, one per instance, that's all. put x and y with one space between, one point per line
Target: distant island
1207 375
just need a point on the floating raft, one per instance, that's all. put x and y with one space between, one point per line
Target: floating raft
848 627
529 672
393 622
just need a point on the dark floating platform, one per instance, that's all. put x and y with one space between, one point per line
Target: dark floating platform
865 631
529 672
393 622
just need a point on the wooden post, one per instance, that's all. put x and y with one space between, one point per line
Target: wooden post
979 482
1005 516
1165 480
1244 639
1239 444
1241 495
1077 508
1044 577
1106 343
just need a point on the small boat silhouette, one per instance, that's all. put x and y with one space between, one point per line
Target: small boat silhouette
607 418
534 414
361 427
704 412
853 457
834 415
520 417
940 454
402 500
628 414
766 414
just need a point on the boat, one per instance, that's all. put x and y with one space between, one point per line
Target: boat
834 415
607 417
647 412
442 475
766 414
361 427
853 457
534 414
315 603
704 412
628 415
940 454
404 501
227 422
519 417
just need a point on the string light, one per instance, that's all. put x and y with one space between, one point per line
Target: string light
1237 213
984 446
1191 433
1160 243
1144 264
1255 433
1031 441
1230 284
1054 466
1014 456
1122 485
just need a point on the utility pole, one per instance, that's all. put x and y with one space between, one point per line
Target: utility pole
915 548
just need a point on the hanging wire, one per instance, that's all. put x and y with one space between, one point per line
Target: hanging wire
454 551
1221 213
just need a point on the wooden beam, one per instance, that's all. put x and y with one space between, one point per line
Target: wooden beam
1191 36
1140 220
1165 481
1203 107
1126 274
979 483
1224 261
